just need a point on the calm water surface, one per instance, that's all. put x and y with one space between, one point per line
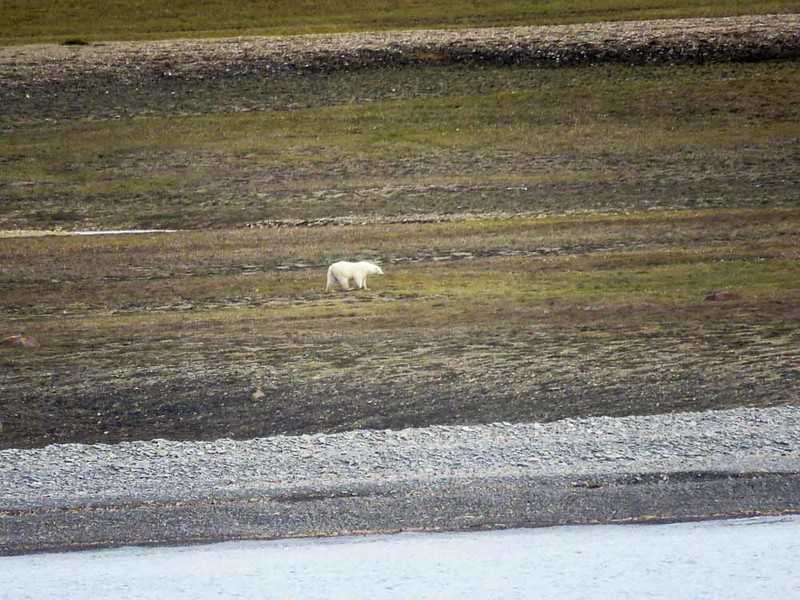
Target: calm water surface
749 559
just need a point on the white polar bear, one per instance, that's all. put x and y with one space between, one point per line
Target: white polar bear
344 272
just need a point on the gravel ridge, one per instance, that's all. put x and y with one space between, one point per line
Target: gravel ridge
753 37
162 471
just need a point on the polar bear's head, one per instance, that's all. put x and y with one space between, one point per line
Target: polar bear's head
371 268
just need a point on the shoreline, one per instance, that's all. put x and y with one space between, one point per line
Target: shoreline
722 464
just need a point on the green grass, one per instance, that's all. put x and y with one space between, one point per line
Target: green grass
496 128
575 110
163 298
169 335
679 257
59 21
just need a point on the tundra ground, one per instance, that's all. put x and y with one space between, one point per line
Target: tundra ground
549 238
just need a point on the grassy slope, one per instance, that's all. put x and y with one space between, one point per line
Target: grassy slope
639 190
611 138
39 20
229 333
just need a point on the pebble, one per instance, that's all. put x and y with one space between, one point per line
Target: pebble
163 470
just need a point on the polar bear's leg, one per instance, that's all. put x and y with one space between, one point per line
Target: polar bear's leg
344 282
336 276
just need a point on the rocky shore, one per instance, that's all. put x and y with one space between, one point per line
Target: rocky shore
738 462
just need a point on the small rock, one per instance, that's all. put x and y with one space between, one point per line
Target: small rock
19 341
722 296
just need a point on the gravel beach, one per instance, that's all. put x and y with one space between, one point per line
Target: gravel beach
677 466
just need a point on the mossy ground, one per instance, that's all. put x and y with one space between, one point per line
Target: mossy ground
398 142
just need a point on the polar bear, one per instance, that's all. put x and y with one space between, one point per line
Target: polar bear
344 272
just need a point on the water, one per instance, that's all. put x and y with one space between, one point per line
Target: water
749 559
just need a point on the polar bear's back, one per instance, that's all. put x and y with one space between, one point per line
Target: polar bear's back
362 266
341 265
